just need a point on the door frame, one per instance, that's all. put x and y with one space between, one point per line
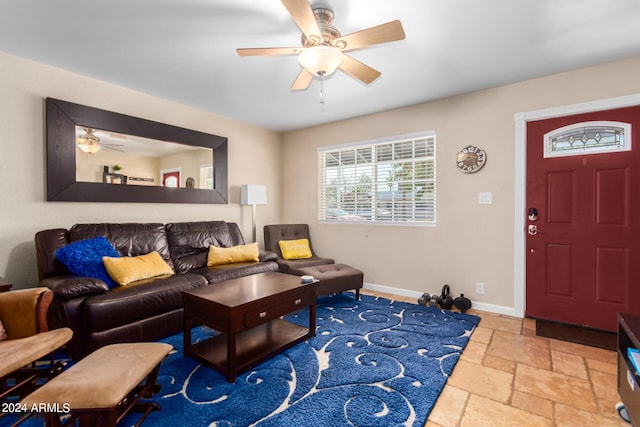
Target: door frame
520 179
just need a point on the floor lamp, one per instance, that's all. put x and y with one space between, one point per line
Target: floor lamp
253 195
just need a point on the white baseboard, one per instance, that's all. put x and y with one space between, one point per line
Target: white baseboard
491 308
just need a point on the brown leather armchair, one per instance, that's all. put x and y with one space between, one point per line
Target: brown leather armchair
332 277
26 339
272 236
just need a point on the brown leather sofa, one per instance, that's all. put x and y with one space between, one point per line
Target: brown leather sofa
146 310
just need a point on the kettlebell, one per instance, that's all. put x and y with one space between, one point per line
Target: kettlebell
462 303
434 301
424 299
445 301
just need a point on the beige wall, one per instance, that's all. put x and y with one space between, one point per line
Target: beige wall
188 162
254 158
90 167
471 242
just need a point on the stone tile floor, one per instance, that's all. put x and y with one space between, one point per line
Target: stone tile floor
507 376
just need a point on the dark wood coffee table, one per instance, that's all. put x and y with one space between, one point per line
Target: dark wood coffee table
247 312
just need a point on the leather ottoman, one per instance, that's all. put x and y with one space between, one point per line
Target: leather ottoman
335 278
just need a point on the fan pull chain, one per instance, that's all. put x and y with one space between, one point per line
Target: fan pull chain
322 90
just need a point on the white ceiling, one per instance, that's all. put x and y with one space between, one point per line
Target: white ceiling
184 50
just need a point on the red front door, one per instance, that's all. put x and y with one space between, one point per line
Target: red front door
171 179
583 249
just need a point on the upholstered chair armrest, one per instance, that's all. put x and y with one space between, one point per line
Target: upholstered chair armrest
14 354
67 287
264 256
20 311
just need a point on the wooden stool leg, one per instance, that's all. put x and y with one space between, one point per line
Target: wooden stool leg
52 419
88 419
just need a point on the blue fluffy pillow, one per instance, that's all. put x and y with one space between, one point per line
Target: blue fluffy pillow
84 258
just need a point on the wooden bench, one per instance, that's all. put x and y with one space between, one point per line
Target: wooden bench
103 387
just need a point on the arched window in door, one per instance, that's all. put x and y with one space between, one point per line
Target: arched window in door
171 179
588 138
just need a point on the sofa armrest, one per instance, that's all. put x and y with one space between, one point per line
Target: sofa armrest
67 287
264 256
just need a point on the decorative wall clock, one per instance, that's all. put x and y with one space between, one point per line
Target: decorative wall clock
471 159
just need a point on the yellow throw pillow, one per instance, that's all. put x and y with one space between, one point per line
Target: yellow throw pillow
295 249
240 253
125 270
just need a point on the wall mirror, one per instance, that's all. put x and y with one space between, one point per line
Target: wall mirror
95 155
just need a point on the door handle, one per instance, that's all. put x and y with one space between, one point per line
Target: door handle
532 230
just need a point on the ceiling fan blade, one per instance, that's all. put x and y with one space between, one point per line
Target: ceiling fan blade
116 135
358 70
300 11
384 33
110 147
268 51
303 80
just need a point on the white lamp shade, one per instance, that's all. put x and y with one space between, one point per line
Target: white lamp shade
253 194
321 59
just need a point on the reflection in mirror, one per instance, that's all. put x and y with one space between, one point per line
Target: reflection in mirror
115 158
89 150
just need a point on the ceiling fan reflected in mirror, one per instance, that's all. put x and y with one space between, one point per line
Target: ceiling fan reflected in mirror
90 143
323 47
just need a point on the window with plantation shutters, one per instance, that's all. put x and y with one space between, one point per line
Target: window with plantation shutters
386 181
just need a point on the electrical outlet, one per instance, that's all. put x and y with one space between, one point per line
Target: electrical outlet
480 288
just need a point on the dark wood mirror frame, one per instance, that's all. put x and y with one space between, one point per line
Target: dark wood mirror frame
62 119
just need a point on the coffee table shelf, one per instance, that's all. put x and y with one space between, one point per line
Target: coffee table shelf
252 347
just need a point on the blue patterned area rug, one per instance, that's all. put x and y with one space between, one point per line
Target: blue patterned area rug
373 362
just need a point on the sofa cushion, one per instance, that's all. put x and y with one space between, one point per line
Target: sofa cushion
129 269
293 266
222 272
136 301
84 258
239 253
188 237
187 263
129 239
190 241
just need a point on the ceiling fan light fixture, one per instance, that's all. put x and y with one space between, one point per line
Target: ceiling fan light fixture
88 147
88 142
321 60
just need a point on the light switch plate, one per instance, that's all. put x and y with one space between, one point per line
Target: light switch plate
485 198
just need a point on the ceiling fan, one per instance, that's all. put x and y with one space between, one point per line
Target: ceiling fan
90 143
323 47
